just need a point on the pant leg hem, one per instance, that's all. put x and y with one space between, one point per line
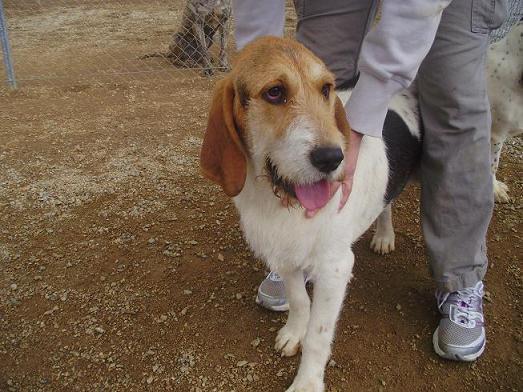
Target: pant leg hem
468 279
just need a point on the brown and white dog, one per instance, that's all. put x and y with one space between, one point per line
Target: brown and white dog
277 129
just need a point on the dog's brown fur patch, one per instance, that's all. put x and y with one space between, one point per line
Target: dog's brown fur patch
261 65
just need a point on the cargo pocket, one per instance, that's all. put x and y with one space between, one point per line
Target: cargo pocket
488 15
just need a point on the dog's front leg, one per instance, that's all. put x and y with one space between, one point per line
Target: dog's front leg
222 56
329 290
383 238
199 33
291 335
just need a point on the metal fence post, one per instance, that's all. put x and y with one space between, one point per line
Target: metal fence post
6 49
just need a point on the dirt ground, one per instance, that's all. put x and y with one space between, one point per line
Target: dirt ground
122 269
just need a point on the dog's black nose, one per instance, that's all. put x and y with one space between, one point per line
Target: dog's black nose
326 159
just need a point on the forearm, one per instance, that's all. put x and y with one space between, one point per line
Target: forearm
391 56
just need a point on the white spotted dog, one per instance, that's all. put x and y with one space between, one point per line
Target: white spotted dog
505 90
276 132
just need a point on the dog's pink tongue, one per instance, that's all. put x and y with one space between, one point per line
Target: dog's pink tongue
313 196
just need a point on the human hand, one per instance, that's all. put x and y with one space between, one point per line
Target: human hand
351 158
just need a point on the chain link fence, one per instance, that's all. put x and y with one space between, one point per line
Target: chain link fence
61 41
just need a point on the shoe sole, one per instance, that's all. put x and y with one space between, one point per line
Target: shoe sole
274 308
455 357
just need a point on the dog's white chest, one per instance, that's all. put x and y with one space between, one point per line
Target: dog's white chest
284 238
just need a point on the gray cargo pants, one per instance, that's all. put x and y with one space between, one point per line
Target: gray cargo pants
456 183
456 197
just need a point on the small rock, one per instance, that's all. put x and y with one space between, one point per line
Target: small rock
100 330
398 307
241 363
187 292
488 296
220 257
50 311
13 286
256 342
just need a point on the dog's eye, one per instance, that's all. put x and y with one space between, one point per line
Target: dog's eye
275 95
325 90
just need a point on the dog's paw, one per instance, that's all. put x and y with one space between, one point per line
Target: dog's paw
501 192
307 384
382 243
288 342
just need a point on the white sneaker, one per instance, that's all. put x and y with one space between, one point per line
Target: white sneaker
460 335
271 293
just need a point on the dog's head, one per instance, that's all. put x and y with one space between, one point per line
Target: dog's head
277 111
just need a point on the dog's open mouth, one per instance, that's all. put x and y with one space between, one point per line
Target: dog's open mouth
311 196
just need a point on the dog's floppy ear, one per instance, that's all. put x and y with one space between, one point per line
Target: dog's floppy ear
222 156
341 118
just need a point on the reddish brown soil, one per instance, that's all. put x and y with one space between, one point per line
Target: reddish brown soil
123 270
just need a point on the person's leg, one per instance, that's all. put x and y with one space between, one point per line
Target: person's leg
455 169
456 197
334 31
256 18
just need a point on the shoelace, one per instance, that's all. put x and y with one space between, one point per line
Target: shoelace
464 305
274 277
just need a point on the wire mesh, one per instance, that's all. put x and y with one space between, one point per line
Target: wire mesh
119 40
60 40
